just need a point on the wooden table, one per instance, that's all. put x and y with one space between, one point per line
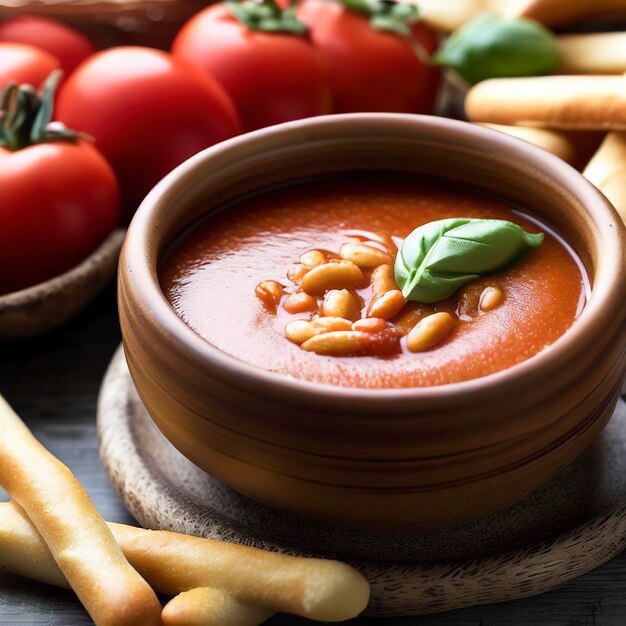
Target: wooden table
53 384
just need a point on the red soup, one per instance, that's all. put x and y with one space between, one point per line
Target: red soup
300 281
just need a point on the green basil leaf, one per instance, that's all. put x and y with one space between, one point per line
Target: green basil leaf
438 258
490 46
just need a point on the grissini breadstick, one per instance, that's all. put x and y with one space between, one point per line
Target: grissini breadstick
207 606
24 552
172 563
552 141
314 588
78 538
448 15
553 12
22 549
575 102
607 170
598 53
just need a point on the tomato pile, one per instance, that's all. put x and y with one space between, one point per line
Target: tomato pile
77 163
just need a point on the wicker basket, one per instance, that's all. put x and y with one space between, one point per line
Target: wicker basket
111 22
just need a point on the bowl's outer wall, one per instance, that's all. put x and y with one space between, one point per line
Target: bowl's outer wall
389 458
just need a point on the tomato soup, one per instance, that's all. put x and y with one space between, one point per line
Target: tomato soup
299 281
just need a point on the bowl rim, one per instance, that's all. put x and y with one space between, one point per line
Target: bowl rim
606 292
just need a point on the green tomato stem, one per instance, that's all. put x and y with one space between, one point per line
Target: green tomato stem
26 116
393 16
267 16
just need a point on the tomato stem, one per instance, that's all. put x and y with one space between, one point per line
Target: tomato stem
267 16
395 16
26 116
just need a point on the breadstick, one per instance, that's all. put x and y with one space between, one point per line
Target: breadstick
207 606
553 12
448 15
84 548
24 552
576 102
600 53
172 563
607 170
22 549
552 141
314 588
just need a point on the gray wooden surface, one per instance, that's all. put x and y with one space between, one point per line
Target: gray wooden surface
53 383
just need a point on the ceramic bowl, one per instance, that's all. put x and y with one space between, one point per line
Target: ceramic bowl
378 459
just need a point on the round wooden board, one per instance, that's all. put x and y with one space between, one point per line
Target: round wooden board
566 528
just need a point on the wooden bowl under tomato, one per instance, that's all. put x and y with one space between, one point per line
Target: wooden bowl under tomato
392 458
109 23
43 307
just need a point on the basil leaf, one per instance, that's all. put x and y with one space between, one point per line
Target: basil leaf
490 46
440 257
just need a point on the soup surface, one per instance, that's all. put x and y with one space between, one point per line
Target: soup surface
211 276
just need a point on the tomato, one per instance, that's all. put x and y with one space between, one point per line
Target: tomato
58 202
272 77
147 111
59 198
21 64
370 69
68 45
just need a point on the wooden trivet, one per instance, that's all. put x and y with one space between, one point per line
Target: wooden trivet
565 529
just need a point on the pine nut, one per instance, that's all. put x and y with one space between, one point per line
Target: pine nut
341 303
383 280
334 275
381 240
299 331
296 273
491 298
338 343
299 302
269 292
383 247
370 325
387 306
430 331
313 258
330 324
364 255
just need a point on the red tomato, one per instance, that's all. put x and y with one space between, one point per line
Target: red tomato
147 111
371 70
272 77
68 45
24 64
58 202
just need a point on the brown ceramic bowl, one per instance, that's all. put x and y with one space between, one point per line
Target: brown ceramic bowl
380 459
